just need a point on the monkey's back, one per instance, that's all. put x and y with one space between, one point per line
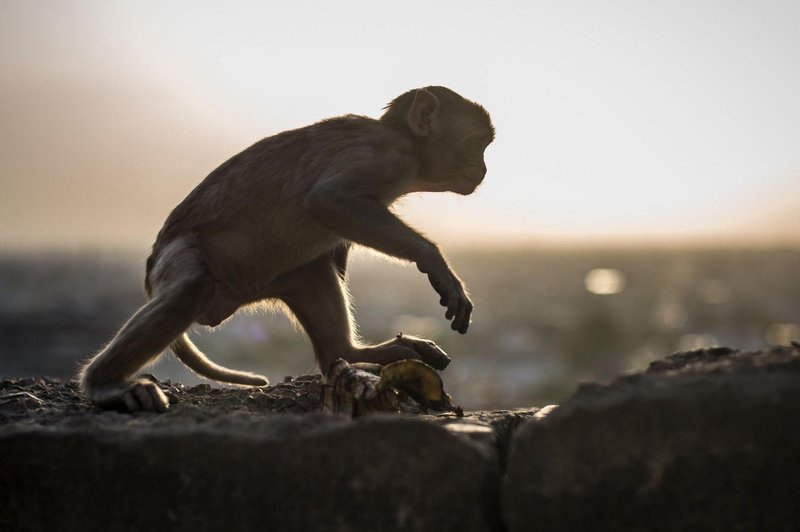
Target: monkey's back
248 215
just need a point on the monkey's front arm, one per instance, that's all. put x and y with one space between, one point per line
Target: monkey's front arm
450 288
362 218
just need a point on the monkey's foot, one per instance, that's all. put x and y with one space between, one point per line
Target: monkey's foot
141 394
405 347
428 351
360 388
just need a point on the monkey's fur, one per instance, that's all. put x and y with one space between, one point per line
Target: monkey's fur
276 222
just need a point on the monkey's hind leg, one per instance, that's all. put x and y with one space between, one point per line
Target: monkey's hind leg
404 346
182 290
316 296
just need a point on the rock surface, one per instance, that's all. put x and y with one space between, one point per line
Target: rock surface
703 440
233 459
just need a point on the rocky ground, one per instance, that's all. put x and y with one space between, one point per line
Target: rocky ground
45 401
702 440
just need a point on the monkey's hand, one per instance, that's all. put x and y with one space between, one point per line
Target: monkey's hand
450 289
134 396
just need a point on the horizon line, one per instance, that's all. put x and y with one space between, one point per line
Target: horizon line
706 242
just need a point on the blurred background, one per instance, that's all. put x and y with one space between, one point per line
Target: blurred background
641 195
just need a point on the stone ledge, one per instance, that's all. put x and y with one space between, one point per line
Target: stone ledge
286 472
703 440
233 459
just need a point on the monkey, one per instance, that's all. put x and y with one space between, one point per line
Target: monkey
276 223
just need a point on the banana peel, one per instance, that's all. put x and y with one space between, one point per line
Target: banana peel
409 386
417 379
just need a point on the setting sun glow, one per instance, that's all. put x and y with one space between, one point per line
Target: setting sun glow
616 121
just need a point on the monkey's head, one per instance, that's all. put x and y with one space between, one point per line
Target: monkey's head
450 134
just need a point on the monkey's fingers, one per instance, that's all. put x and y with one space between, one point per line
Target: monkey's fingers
130 402
456 324
145 395
459 310
461 321
433 355
453 301
428 351
453 297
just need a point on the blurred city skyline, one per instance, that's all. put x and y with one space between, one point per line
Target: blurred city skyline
618 122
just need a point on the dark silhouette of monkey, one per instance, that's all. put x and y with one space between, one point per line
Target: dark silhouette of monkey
277 220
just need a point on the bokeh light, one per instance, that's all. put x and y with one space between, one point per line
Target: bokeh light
605 281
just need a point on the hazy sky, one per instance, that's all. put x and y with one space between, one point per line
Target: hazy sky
615 120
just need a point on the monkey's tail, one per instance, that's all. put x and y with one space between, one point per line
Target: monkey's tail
187 352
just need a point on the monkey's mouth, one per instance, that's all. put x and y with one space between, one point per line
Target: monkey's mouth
473 180
471 184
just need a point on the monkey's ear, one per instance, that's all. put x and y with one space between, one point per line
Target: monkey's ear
423 115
